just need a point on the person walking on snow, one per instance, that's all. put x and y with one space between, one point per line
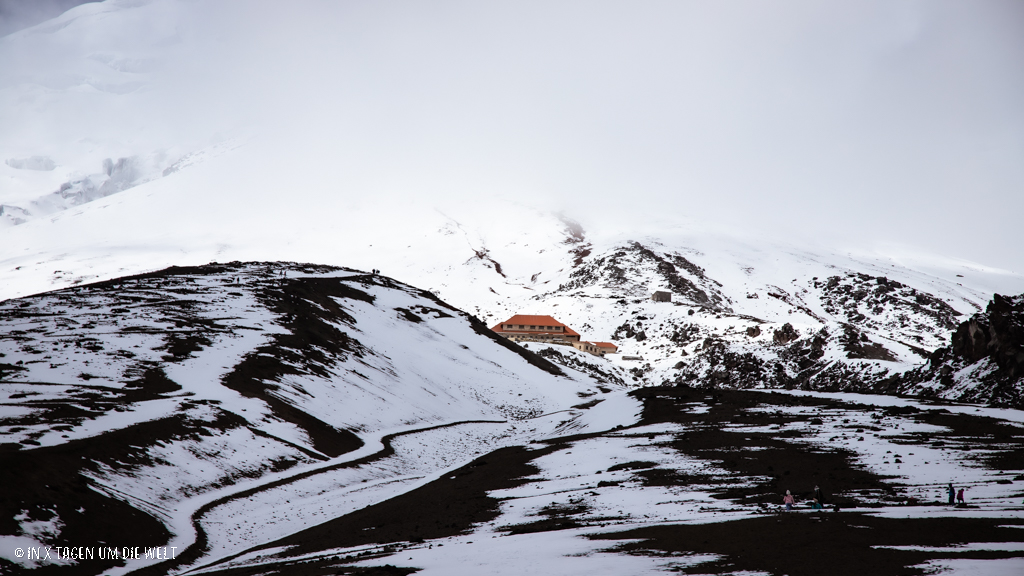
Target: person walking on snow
952 493
818 495
960 498
789 501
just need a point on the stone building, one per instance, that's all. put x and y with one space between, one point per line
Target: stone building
524 328
596 348
661 296
588 347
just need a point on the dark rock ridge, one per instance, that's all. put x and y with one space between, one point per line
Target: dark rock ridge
984 362
986 351
619 270
877 302
998 334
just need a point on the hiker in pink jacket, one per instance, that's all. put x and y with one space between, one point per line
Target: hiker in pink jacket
789 501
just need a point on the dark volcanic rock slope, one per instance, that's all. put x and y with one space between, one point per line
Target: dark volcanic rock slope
983 363
128 404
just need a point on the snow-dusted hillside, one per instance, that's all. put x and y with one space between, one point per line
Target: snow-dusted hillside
189 391
305 419
743 313
795 320
134 139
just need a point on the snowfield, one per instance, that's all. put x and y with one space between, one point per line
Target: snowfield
603 486
267 416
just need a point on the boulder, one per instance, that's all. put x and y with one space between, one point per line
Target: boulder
998 333
786 334
984 361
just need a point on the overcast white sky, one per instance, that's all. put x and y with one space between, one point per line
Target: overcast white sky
861 121
864 123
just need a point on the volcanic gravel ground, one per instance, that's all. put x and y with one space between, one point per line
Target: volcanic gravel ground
753 446
841 544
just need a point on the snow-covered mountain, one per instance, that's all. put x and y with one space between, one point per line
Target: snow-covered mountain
111 170
301 418
134 409
743 313
135 139
744 317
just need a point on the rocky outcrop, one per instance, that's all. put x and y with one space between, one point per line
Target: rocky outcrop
858 346
795 363
876 303
718 366
786 334
983 363
621 269
997 334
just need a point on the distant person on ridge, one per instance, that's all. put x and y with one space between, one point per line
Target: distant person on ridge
789 501
960 498
952 493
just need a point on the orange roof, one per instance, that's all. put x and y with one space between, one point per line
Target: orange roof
525 320
605 345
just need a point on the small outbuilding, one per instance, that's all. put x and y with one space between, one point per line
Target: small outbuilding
588 347
661 296
596 348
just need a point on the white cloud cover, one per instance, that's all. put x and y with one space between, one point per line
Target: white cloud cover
890 126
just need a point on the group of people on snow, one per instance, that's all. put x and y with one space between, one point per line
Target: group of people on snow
959 496
956 498
817 503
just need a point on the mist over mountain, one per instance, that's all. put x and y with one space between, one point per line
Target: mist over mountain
252 252
862 126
